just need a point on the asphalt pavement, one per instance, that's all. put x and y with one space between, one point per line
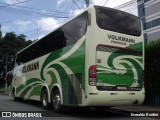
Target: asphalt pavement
140 108
7 104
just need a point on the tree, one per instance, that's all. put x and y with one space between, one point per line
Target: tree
9 46
152 70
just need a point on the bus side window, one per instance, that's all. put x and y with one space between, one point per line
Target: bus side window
60 39
18 60
75 29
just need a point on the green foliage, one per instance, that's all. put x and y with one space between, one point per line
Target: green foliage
10 44
2 90
152 70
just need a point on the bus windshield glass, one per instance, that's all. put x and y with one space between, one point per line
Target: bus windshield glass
118 21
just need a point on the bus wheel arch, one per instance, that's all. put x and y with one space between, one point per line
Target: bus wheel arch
44 98
14 93
56 99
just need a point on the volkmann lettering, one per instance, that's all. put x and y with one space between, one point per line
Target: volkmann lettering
30 67
122 39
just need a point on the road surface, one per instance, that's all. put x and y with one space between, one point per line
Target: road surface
7 104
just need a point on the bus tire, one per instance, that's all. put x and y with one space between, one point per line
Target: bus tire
56 101
13 94
15 98
44 99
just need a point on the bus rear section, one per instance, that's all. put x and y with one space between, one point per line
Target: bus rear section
115 70
122 72
117 77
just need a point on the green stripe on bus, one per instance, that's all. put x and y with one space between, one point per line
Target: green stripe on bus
138 68
53 79
36 91
137 46
117 79
27 83
76 62
66 85
26 90
52 56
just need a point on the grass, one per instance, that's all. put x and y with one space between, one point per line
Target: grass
2 90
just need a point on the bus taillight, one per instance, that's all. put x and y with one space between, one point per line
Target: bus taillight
92 75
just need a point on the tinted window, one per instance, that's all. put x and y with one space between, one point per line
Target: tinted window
118 21
141 10
153 23
75 29
68 34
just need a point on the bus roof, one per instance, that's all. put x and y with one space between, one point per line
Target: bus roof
91 7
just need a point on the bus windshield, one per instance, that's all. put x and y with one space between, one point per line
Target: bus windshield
118 21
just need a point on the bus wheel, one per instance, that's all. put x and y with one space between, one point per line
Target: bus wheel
15 98
56 101
44 99
13 94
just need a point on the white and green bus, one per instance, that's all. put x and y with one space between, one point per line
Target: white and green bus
95 59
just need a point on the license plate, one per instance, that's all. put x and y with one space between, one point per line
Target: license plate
121 88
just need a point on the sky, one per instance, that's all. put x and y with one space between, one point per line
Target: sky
37 18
